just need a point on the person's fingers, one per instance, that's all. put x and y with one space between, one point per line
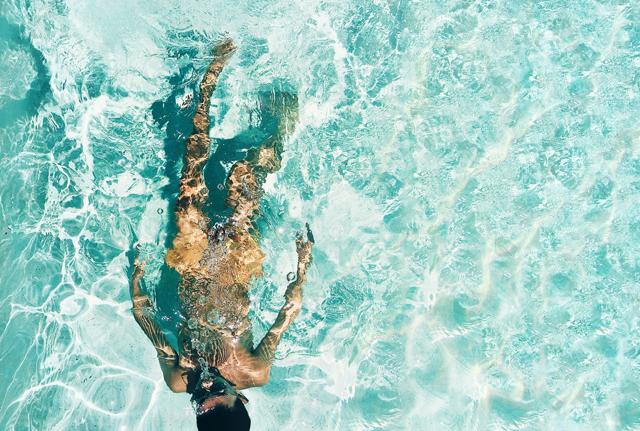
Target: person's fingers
139 266
309 234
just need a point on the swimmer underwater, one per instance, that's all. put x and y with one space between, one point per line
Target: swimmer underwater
216 358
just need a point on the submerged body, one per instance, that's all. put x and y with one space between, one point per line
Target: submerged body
217 263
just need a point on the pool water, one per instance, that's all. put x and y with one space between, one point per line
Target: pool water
471 171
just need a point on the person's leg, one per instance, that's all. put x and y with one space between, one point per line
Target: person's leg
192 225
247 176
193 190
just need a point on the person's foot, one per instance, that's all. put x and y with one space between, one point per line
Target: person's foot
224 48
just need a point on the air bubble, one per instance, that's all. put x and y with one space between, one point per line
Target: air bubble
213 317
160 211
291 276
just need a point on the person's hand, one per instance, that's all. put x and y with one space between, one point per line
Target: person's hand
293 294
136 276
303 247
138 266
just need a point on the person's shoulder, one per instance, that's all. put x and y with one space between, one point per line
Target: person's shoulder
261 374
247 372
174 376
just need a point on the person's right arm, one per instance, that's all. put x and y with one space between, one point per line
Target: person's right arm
143 314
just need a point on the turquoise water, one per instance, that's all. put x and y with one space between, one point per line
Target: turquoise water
471 170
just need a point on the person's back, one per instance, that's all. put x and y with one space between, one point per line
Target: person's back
215 357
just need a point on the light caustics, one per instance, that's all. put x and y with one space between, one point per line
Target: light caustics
470 170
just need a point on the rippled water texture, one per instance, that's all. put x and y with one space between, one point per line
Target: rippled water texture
471 171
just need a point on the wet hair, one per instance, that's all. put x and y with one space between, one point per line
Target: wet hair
224 418
193 382
221 417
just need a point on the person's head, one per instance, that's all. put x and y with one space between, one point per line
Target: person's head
225 417
218 405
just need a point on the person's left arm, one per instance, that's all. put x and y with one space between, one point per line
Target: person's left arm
266 350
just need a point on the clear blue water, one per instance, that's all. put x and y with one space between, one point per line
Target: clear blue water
471 170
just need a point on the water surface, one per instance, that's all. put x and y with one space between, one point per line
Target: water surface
471 170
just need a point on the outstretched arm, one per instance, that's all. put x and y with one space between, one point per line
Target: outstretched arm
143 313
265 351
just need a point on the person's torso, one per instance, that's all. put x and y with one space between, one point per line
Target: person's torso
215 301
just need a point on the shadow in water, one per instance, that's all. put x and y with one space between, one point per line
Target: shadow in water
12 110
